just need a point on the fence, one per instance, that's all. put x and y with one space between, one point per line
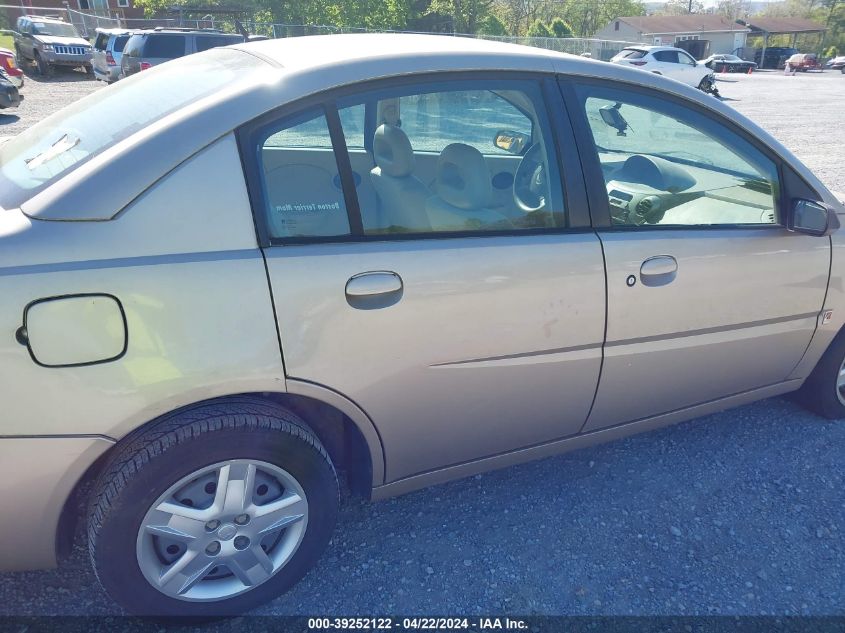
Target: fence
87 22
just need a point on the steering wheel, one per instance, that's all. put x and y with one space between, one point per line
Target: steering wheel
530 185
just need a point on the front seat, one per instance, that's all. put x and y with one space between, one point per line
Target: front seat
401 194
463 191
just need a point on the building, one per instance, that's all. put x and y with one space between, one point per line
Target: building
713 33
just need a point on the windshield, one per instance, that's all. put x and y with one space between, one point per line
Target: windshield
54 29
62 142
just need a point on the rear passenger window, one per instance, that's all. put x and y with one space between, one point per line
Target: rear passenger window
666 56
456 158
166 46
300 181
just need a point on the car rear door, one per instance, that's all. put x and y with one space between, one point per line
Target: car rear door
709 295
459 343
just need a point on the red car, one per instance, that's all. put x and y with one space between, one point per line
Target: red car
9 65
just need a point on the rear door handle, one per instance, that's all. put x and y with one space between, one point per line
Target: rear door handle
373 290
659 270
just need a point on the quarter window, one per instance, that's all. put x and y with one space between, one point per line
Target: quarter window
300 180
665 164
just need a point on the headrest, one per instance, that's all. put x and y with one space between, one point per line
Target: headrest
463 179
392 151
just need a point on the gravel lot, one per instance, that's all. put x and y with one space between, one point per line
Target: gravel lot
735 513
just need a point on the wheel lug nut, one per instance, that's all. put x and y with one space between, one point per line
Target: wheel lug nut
212 525
213 548
241 542
242 519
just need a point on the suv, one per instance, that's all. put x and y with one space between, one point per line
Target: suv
49 42
775 56
108 51
669 61
146 49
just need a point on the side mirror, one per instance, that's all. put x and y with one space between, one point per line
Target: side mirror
812 218
512 142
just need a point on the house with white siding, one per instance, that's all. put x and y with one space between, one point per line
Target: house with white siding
722 34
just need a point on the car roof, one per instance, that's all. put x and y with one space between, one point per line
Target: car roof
114 31
652 49
44 18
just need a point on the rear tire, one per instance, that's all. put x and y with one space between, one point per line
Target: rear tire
159 467
824 391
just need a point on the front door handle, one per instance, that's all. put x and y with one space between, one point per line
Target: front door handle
659 270
373 290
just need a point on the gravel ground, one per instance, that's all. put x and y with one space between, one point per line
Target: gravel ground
735 513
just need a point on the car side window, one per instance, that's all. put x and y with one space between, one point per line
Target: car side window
164 46
667 164
100 42
456 157
301 185
686 59
666 56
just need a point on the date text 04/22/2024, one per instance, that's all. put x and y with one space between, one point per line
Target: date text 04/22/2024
417 623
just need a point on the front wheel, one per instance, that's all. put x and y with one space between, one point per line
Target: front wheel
43 66
212 511
824 391
708 86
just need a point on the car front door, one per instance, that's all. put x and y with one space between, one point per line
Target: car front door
708 294
464 325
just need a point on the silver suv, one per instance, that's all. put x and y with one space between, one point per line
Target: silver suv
150 48
108 52
51 42
238 279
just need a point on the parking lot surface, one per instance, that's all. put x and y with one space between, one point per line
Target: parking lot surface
735 513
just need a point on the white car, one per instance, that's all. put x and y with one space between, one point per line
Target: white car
670 62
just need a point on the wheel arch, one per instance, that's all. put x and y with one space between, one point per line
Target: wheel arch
345 431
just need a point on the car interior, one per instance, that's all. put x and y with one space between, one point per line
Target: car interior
426 162
662 170
476 160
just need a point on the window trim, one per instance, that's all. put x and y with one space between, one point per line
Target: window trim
594 178
570 183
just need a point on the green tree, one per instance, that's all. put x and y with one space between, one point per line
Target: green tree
560 28
538 29
492 25
466 15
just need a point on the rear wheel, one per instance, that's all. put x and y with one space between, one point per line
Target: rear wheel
824 390
212 511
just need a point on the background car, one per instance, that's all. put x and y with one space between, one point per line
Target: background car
9 65
146 49
728 63
804 62
668 61
108 51
775 56
837 63
9 95
51 42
